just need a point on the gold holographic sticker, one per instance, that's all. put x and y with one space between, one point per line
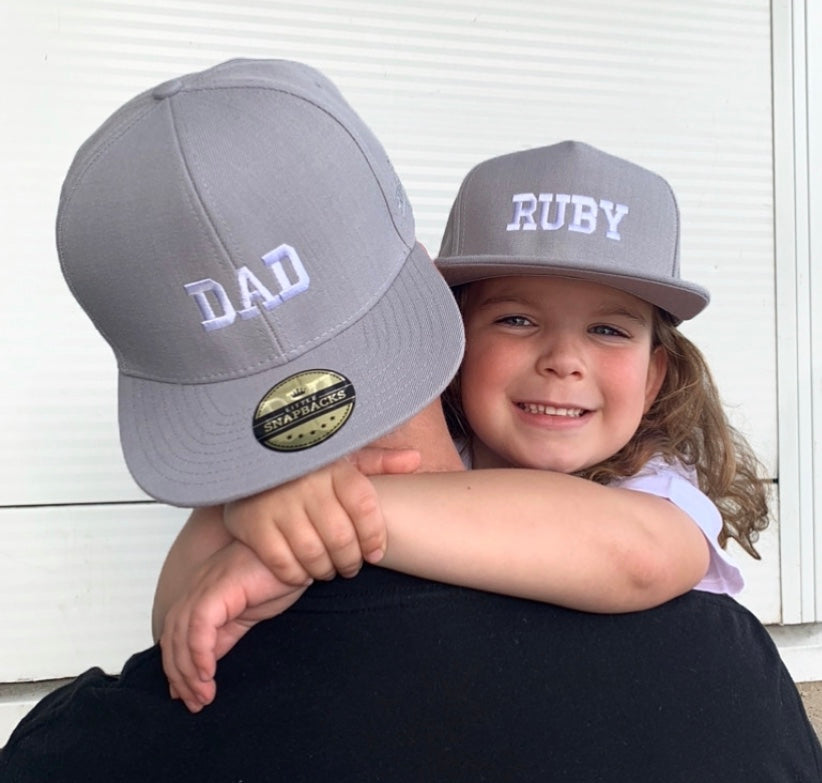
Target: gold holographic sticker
303 410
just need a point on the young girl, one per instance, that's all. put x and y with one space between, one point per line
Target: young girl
630 479
617 226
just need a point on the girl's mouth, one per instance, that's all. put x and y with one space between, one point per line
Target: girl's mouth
550 410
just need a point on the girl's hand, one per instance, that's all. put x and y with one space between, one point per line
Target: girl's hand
322 524
227 596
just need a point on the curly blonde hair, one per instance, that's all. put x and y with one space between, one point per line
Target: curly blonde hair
686 422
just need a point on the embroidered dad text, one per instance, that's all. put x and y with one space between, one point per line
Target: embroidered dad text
289 279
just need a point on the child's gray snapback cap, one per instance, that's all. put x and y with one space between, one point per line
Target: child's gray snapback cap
573 211
241 240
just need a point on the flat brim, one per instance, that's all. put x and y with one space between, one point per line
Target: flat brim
194 444
683 300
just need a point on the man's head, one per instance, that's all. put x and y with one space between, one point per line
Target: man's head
240 239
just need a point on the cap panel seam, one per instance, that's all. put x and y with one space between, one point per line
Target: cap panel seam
67 196
194 191
330 113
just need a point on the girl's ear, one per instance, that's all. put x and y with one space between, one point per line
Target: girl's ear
657 368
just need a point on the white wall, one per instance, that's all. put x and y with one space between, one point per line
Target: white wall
684 89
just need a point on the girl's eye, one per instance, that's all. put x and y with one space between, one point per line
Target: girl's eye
514 320
608 331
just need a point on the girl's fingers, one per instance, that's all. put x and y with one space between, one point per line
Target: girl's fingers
338 537
302 544
187 645
372 460
178 685
359 499
272 546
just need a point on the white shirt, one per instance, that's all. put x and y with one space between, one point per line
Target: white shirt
678 484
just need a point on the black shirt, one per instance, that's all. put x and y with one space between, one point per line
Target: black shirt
390 678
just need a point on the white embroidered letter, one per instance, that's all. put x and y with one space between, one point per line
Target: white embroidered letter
585 215
525 204
273 259
251 291
211 321
562 200
614 215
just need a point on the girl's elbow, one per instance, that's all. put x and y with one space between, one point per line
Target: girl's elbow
654 577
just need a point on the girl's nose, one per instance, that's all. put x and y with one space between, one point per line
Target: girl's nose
560 355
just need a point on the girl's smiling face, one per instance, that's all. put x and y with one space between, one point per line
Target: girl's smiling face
557 371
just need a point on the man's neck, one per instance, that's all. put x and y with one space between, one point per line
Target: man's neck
428 433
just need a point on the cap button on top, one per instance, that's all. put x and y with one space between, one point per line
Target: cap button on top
167 89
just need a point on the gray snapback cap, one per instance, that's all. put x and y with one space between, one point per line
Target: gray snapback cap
240 239
574 211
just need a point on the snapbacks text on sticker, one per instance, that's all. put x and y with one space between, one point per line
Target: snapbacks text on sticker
303 410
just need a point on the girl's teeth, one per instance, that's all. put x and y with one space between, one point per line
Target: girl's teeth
549 410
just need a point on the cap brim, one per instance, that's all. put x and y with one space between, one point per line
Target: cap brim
194 445
681 299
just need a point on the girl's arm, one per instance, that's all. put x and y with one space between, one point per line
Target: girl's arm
533 534
541 535
202 535
212 590
333 519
